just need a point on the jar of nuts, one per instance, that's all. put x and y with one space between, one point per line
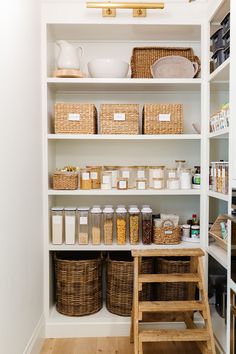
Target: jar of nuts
108 223
96 221
121 225
134 214
146 214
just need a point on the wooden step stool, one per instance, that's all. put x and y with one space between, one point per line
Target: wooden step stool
202 336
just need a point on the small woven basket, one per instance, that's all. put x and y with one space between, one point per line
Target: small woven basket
119 119
163 119
143 57
166 235
119 279
172 291
65 180
78 283
73 118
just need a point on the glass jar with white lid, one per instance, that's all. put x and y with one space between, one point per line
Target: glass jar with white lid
83 225
57 225
108 224
96 225
134 224
70 225
121 225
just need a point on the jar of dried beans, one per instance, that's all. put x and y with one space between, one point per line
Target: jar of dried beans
146 216
121 225
96 221
108 224
134 214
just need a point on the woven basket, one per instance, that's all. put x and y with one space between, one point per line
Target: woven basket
119 279
172 291
166 235
119 119
65 180
72 118
163 119
78 283
143 57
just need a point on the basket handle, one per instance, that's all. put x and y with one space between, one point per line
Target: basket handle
163 223
195 67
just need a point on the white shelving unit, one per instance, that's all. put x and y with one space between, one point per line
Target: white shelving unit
186 28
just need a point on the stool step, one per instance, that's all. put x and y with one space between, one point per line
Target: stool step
179 252
172 335
170 306
169 278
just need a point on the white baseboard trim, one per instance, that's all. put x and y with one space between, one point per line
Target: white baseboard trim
35 343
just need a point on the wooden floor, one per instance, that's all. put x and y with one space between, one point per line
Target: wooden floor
112 345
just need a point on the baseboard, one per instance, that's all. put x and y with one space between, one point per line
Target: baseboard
35 343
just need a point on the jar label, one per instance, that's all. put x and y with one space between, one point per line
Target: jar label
122 184
157 174
106 179
164 117
94 175
119 116
168 232
83 220
74 116
85 176
157 184
141 185
172 174
125 174
56 219
141 174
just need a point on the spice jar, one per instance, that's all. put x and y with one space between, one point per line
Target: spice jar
82 225
95 175
173 183
57 225
85 179
180 165
158 183
121 225
96 221
141 183
171 173
134 214
157 172
70 216
128 172
186 230
114 173
185 178
108 222
122 183
106 180
146 214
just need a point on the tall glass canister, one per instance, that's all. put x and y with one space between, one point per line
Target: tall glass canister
108 224
70 224
96 225
121 225
134 222
83 225
57 225
146 216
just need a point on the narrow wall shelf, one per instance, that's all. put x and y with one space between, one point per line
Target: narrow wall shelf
218 254
147 192
124 137
217 195
221 74
221 134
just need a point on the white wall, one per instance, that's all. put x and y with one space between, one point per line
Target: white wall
21 245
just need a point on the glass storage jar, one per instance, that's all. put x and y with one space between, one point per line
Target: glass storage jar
106 180
96 224
171 173
70 224
173 183
115 174
128 172
121 225
146 215
82 225
141 183
95 175
85 179
108 224
57 225
180 165
122 183
134 216
158 183
141 172
185 178
154 173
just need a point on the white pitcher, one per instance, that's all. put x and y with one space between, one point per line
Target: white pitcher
68 56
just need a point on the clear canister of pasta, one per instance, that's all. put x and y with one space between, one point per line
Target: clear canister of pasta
121 225
108 224
134 224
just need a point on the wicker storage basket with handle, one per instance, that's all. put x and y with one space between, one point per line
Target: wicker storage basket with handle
166 235
144 57
63 180
163 119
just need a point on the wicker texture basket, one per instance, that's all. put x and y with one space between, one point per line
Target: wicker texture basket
172 291
163 119
166 235
143 57
119 119
78 283
65 180
120 277
73 118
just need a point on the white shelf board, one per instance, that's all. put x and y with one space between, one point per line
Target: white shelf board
219 327
221 74
218 254
115 247
145 192
221 134
124 137
126 84
220 196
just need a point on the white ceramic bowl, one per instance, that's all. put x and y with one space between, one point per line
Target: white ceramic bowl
108 68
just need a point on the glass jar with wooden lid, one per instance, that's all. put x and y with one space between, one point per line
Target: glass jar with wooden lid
129 172
95 175
114 173
85 179
155 172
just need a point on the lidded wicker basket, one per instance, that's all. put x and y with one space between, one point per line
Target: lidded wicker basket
78 283
62 180
119 287
163 119
166 235
75 118
143 57
119 119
